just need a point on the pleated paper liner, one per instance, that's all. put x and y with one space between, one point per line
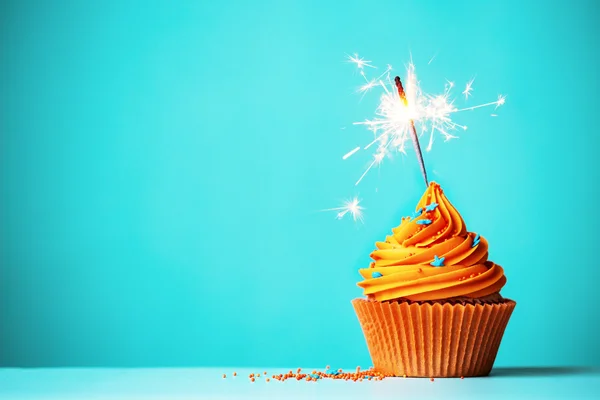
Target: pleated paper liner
433 340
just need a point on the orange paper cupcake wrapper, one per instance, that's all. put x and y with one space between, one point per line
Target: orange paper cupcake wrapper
433 340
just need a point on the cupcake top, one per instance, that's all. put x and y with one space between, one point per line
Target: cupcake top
431 256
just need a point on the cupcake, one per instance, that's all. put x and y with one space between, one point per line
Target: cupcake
433 306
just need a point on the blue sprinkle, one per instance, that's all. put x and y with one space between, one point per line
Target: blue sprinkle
475 241
424 222
431 207
417 213
368 377
315 376
376 274
438 261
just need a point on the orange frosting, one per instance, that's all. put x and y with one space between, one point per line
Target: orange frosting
402 265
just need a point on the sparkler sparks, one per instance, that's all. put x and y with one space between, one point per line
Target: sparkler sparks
360 62
431 113
468 88
399 113
351 207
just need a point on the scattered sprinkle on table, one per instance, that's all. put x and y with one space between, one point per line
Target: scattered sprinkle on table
358 375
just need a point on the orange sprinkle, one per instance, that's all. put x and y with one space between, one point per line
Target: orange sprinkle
251 379
265 373
251 376
431 379
267 379
258 375
404 375
340 370
462 377
235 374
224 376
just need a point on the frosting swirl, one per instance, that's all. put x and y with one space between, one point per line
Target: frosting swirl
431 256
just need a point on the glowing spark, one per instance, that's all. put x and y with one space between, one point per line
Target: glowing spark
501 100
351 152
351 207
432 58
391 126
468 88
360 62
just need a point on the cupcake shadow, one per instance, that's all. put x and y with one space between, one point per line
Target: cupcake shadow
541 371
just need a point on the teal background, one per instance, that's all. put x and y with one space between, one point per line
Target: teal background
162 168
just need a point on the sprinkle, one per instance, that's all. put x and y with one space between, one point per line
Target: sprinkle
431 379
265 373
431 207
404 375
376 274
424 222
224 376
475 241
462 377
438 261
235 374
416 213
251 379
251 376
359 375
327 367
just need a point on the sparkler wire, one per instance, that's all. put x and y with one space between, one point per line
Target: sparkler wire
413 131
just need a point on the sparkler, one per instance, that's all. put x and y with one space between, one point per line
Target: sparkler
413 130
397 116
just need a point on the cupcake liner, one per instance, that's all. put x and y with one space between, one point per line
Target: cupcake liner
433 339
